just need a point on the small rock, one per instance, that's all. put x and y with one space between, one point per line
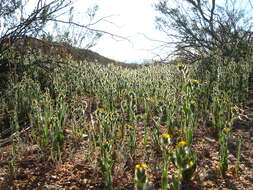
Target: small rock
54 177
210 140
230 156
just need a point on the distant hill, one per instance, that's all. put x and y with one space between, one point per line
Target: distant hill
59 51
29 45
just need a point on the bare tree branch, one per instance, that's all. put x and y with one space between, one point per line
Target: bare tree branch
251 4
91 29
42 15
200 27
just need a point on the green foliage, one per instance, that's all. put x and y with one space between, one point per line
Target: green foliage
141 181
184 159
123 115
107 163
223 139
48 119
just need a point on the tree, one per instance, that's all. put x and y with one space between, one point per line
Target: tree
199 27
17 22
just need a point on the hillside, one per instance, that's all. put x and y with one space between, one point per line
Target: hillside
55 50
48 55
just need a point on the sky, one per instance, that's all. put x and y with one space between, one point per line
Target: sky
133 19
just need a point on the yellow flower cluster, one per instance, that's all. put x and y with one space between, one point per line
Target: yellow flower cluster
144 166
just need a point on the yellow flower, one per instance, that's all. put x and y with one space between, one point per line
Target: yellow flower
234 108
182 143
190 163
144 166
101 110
195 81
180 66
137 166
166 135
226 129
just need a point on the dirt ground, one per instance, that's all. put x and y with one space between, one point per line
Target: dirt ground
78 171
